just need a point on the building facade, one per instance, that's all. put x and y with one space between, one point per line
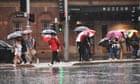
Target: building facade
100 15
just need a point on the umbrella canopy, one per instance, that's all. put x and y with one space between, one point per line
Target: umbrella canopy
129 33
117 34
85 33
46 38
27 31
89 32
103 42
81 28
14 35
5 44
48 31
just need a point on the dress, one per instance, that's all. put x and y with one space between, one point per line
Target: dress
18 49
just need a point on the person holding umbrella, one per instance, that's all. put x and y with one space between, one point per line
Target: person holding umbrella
114 47
135 45
53 41
55 45
17 38
83 41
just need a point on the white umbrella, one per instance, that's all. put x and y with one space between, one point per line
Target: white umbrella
81 28
14 35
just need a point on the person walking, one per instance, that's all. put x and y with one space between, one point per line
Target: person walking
17 51
55 45
31 51
24 49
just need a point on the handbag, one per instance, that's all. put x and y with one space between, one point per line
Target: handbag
33 52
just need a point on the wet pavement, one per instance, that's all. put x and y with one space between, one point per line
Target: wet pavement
107 73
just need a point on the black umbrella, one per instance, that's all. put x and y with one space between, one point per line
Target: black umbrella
103 42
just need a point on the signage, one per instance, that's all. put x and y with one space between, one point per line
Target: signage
21 15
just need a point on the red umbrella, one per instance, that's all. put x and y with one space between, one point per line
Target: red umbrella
46 38
89 32
85 33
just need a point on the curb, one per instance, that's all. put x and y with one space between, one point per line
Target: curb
69 64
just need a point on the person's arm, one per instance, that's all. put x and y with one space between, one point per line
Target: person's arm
33 43
60 44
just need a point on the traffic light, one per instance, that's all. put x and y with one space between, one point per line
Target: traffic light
134 17
31 17
61 6
60 27
61 10
23 5
62 17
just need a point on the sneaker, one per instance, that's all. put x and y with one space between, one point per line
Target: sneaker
110 59
31 62
28 63
50 65
90 59
115 59
14 65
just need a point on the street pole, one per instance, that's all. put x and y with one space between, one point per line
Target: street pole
28 14
66 31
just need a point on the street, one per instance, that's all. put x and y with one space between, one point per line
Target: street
124 71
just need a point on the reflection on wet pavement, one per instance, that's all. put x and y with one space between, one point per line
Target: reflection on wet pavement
119 73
